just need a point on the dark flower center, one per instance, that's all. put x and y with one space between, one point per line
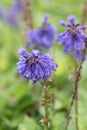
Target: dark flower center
33 59
73 28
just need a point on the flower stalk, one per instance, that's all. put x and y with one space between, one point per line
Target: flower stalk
46 107
27 14
75 93
46 99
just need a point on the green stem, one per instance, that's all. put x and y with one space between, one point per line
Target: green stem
76 108
46 107
77 79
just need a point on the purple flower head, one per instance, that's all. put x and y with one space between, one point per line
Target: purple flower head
73 39
43 36
35 66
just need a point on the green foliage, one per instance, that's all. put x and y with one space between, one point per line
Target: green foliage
28 123
19 101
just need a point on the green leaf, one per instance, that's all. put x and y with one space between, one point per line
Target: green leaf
28 124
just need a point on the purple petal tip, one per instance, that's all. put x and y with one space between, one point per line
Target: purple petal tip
46 17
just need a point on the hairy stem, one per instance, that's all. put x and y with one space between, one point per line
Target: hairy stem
46 107
69 111
76 108
45 98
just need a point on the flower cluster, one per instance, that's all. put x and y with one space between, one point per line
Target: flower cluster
43 36
35 66
73 39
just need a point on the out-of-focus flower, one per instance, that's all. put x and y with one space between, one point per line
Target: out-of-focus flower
73 39
2 13
14 13
43 36
12 18
35 66
18 5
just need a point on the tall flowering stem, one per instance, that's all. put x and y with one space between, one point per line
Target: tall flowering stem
37 66
27 14
27 17
73 40
75 93
84 13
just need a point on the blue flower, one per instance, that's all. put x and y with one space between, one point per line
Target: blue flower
35 66
43 36
73 39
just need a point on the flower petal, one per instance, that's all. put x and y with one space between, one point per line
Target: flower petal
71 18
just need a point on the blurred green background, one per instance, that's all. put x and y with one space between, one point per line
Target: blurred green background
19 100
